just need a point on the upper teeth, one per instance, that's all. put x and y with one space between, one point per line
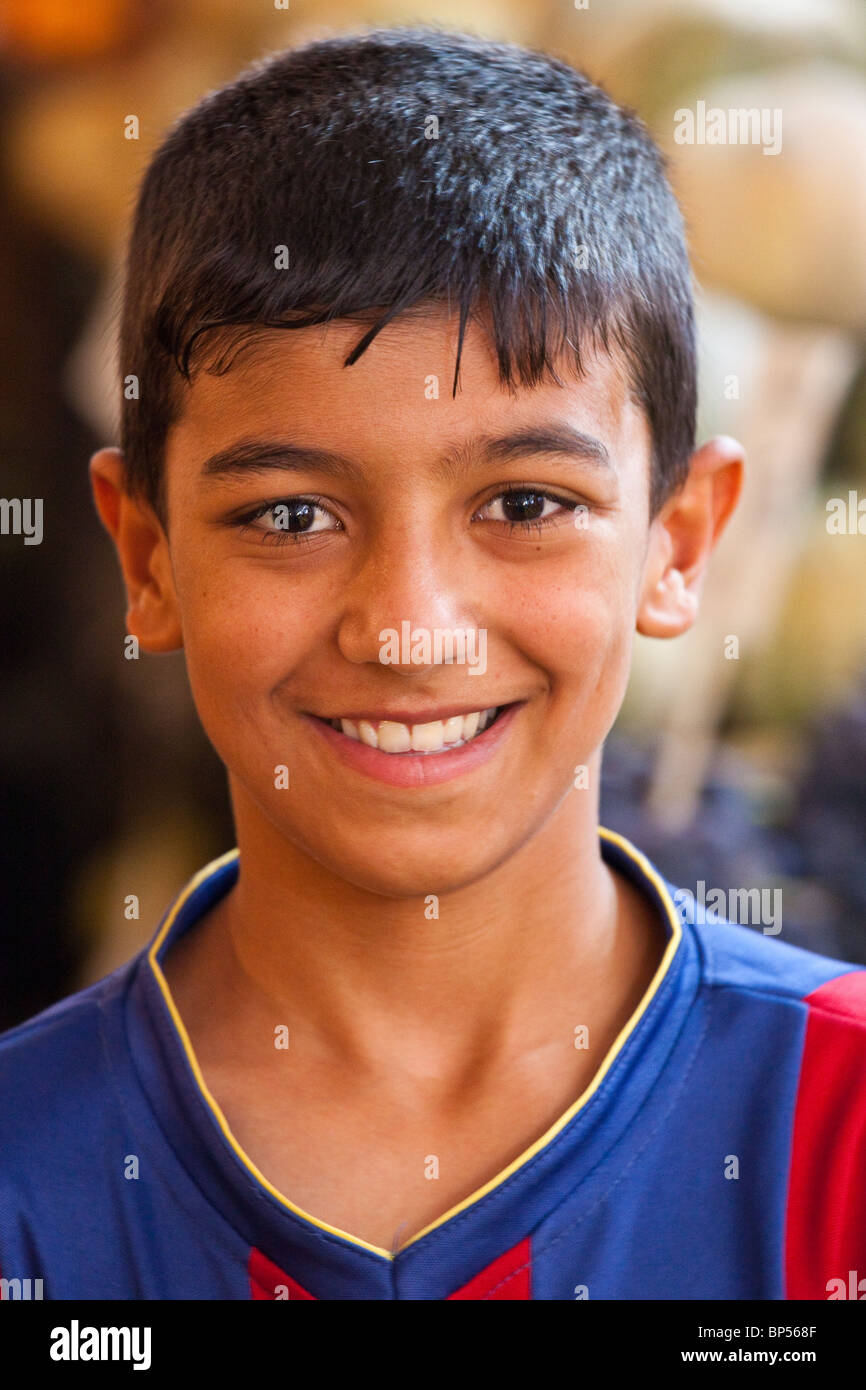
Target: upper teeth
391 737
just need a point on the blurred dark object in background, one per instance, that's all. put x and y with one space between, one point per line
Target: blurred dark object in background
813 850
53 720
75 750
830 827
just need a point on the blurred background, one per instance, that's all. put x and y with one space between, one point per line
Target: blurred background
739 758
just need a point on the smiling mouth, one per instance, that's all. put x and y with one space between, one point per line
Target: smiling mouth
436 736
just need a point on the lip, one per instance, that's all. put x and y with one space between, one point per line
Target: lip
417 769
410 717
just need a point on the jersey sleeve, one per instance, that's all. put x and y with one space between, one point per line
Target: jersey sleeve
825 1233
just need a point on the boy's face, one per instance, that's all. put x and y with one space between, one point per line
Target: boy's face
284 614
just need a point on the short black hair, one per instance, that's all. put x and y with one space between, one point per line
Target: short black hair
401 169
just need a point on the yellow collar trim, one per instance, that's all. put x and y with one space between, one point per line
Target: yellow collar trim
616 1047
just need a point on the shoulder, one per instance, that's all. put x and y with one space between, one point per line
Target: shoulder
70 1114
57 1069
756 962
803 1015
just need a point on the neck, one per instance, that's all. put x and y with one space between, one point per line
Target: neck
549 940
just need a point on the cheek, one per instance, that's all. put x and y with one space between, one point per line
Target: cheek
578 626
245 631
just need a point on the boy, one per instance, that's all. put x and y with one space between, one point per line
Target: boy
429 1032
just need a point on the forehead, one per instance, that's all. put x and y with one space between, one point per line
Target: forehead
397 395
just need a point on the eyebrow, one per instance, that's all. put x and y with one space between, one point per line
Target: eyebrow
250 456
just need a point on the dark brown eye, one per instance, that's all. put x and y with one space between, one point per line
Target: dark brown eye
294 516
523 506
287 520
526 506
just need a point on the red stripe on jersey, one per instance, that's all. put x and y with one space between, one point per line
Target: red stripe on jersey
825 1226
267 1280
506 1277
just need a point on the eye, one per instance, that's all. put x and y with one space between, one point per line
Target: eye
289 520
525 507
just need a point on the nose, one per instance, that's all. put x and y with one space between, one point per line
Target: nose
409 586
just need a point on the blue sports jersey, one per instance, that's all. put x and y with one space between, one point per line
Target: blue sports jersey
718 1153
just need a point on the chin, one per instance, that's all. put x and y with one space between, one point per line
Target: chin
408 872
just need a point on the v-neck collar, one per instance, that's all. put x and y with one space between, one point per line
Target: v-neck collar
500 1212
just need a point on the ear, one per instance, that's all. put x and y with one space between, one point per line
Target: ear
684 535
152 614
